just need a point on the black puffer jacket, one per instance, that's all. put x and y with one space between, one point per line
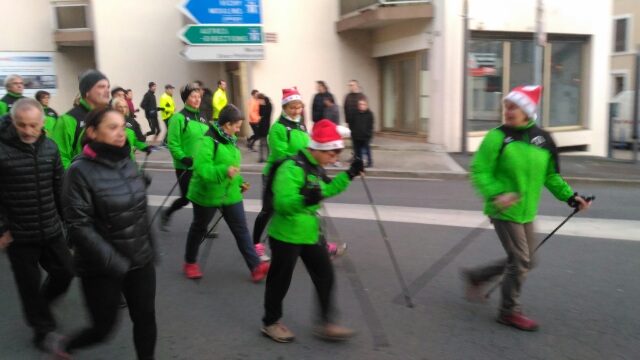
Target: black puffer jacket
105 208
30 186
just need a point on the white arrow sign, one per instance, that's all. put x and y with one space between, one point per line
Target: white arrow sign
223 53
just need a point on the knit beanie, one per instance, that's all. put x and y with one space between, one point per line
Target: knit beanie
526 97
186 90
88 80
290 94
328 136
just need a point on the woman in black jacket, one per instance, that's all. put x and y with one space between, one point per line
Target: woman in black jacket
105 208
264 125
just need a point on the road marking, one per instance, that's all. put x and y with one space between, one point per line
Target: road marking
578 226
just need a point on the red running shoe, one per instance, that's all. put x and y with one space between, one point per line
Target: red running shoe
260 271
192 271
518 321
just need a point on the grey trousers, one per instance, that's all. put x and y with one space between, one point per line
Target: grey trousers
518 241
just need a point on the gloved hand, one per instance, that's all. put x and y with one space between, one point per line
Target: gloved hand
312 195
146 177
357 167
187 161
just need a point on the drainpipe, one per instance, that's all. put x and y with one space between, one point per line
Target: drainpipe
465 71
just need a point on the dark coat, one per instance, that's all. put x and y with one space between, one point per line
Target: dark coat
149 104
30 186
317 107
265 118
362 125
332 113
105 208
206 105
351 105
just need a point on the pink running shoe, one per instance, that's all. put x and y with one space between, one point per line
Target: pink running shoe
261 250
336 250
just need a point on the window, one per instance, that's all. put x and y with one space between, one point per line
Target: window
566 84
498 63
621 35
619 83
485 84
70 16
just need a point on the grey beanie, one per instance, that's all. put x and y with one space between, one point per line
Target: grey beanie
88 80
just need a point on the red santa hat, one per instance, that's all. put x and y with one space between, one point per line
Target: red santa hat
290 94
526 97
328 136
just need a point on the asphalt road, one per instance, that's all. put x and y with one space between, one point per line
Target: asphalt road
584 291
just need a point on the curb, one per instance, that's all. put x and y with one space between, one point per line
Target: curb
409 174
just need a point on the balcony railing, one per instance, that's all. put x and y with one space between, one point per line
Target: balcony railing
350 6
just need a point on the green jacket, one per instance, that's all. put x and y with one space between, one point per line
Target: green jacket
50 117
168 106
68 131
218 101
210 185
134 142
294 222
285 139
186 128
520 160
7 102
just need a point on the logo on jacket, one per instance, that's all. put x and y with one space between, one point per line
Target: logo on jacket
82 123
202 120
538 141
508 139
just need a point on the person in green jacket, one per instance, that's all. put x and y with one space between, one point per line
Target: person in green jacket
50 115
15 86
186 128
135 140
219 99
299 186
514 162
287 136
68 130
217 184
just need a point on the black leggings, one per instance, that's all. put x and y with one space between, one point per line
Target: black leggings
264 216
102 295
183 182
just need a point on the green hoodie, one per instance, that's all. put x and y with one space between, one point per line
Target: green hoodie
134 142
519 160
186 128
286 138
293 221
7 102
210 185
68 131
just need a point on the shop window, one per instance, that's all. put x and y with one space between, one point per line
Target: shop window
484 84
565 98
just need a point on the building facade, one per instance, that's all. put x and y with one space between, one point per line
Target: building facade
407 55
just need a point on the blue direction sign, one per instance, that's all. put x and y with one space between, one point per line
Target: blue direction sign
224 12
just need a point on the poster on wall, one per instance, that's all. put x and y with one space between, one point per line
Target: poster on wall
36 68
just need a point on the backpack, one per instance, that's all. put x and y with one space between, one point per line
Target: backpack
300 160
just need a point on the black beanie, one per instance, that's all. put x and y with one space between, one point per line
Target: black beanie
187 90
88 80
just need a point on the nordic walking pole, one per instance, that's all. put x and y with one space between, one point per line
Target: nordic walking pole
212 228
144 163
394 262
166 198
575 211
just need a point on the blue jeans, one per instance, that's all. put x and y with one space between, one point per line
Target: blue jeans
237 222
361 147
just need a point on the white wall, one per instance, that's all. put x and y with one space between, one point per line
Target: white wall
309 49
31 26
136 42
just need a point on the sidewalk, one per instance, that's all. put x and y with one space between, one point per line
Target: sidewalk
398 158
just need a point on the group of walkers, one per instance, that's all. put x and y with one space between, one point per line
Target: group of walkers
79 177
